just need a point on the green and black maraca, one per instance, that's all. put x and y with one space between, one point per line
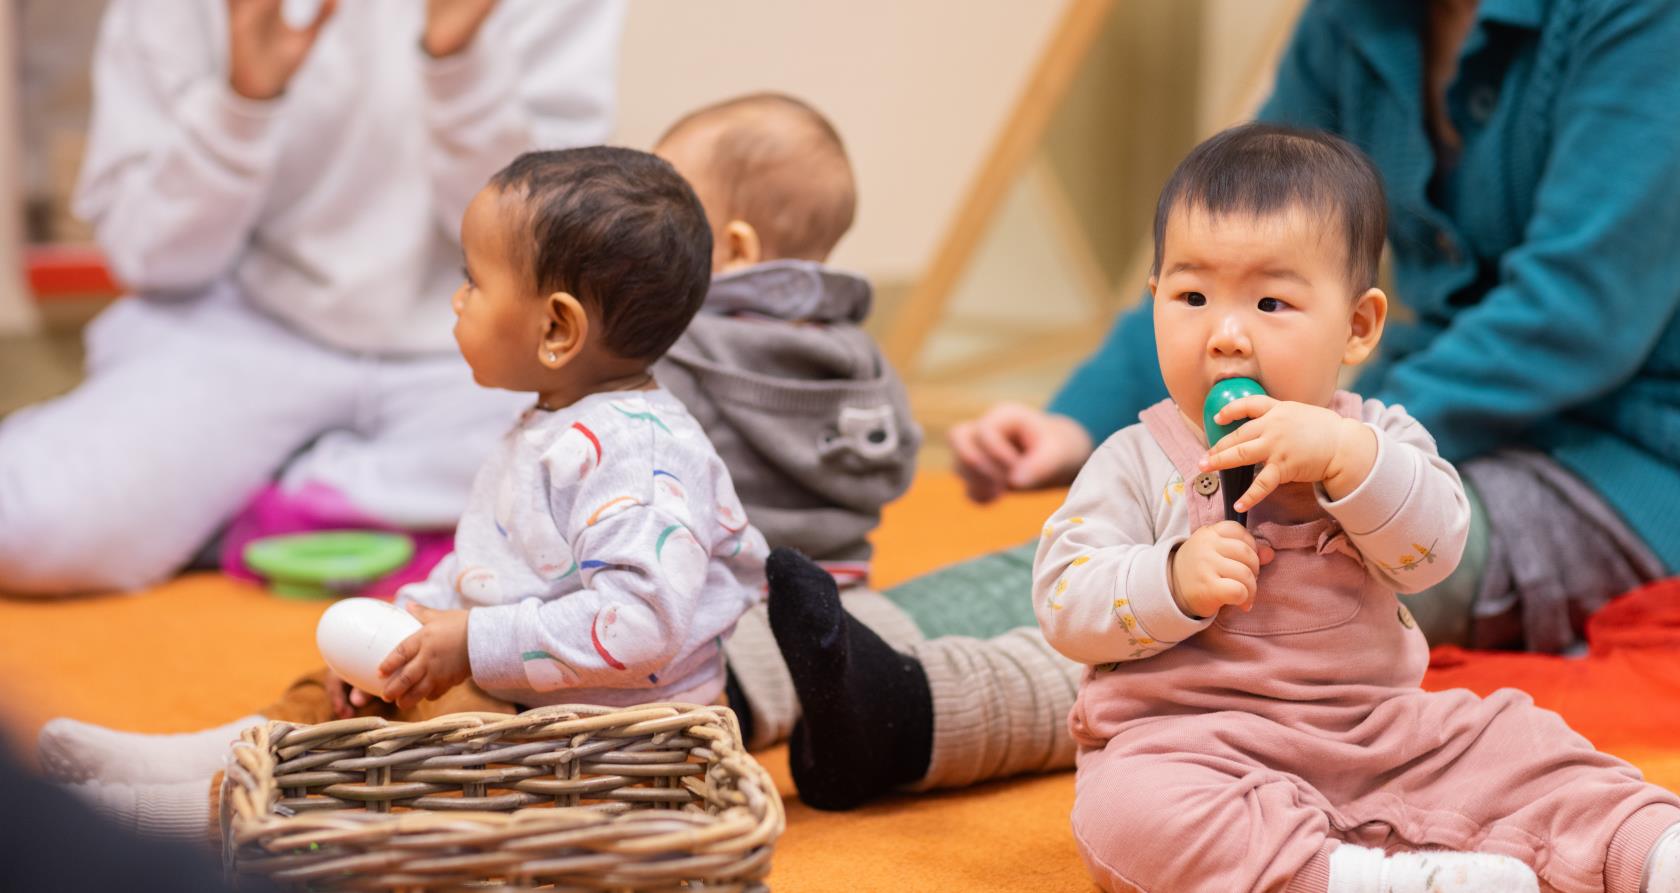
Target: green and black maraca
1233 482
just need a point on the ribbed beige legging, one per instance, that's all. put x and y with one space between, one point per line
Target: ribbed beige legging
1000 705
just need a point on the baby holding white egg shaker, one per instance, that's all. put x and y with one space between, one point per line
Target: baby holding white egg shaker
602 517
603 557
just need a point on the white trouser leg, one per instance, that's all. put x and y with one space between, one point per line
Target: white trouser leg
187 409
421 430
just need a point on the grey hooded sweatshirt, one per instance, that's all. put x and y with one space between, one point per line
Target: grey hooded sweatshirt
812 422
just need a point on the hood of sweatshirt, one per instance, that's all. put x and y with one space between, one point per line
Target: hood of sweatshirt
809 417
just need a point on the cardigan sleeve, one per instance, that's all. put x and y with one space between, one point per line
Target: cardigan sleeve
1580 303
178 166
1303 92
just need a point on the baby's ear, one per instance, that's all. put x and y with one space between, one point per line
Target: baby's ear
565 329
1365 326
741 246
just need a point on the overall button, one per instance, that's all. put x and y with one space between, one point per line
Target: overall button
1406 619
1207 483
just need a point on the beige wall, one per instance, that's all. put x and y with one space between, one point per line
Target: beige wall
1069 248
918 88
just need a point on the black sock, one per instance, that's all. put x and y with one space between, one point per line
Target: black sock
738 702
868 713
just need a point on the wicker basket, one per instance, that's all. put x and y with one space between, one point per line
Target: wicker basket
655 797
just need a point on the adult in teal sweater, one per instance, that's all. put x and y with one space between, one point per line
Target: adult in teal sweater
1531 154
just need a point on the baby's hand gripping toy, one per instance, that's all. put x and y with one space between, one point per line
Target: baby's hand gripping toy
357 634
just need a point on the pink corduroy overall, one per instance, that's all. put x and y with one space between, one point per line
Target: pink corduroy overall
1239 758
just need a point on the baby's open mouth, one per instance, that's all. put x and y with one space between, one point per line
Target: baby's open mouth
1227 376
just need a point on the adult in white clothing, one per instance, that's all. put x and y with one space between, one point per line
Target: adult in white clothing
283 198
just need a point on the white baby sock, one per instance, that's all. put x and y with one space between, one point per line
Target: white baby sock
72 751
176 811
1356 869
1662 867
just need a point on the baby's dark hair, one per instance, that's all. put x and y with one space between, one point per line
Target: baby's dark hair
618 229
1260 169
784 170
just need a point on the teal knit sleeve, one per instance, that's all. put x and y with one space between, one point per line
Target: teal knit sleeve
1581 303
1304 92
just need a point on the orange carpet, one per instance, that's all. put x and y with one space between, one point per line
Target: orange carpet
204 649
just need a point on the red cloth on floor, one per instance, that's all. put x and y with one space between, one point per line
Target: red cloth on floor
1625 691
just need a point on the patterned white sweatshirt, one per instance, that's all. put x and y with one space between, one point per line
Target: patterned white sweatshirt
603 557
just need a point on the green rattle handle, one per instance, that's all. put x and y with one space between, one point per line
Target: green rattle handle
1233 482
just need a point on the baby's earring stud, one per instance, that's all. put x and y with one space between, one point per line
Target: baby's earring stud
552 356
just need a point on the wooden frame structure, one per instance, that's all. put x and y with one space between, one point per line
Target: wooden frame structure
1022 133
946 394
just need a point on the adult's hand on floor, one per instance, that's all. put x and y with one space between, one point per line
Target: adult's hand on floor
1017 447
263 50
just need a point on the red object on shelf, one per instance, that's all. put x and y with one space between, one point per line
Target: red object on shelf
64 271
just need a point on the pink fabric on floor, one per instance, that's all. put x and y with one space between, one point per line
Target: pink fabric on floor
314 508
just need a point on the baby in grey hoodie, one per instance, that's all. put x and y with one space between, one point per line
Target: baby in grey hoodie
811 420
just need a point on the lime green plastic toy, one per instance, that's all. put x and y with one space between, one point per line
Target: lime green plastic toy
1233 482
327 564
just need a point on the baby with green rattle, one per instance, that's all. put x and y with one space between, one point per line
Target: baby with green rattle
1251 715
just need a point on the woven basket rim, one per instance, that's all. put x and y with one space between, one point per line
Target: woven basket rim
739 819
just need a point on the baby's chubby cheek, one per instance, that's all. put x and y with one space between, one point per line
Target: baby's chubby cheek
1302 382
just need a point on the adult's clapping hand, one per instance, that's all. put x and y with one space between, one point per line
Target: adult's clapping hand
263 50
452 24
